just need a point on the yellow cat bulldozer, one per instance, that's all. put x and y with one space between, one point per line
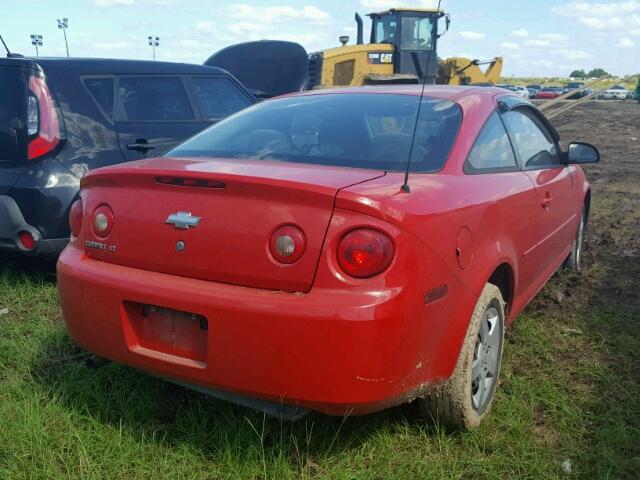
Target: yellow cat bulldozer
402 49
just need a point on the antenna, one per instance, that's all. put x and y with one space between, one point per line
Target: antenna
405 186
5 46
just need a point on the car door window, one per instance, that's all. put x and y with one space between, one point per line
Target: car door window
492 150
532 141
101 90
218 97
152 99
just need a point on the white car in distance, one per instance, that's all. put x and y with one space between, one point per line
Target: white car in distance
615 93
522 91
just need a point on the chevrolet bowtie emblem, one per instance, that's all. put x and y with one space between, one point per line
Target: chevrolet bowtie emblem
183 220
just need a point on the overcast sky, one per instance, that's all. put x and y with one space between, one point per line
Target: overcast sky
536 38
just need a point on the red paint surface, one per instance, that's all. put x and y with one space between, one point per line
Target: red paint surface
306 333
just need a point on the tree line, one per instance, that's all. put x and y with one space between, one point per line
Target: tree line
595 73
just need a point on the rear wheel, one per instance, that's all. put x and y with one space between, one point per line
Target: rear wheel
574 260
466 398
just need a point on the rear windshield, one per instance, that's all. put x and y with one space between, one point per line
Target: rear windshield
12 104
351 130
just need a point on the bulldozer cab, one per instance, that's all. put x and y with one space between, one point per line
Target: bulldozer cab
414 35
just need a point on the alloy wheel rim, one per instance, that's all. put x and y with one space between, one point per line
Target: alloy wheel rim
486 359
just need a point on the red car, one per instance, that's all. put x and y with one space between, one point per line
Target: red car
549 93
280 260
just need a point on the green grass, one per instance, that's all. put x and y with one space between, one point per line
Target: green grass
570 391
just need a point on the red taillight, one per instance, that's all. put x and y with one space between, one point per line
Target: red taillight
27 240
102 221
42 119
364 252
75 218
287 244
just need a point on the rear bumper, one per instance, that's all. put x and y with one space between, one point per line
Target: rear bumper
334 351
12 222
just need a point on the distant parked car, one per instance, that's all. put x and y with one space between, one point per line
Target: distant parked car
522 91
616 93
578 85
533 90
548 93
60 118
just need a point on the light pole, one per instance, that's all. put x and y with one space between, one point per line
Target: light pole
36 41
63 24
153 43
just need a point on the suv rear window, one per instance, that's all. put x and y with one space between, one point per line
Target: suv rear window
218 97
149 99
12 104
352 130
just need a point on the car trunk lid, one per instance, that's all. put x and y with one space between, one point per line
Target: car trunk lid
239 203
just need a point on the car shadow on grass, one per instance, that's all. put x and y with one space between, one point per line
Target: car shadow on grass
33 269
148 407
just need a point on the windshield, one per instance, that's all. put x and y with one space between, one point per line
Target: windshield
351 130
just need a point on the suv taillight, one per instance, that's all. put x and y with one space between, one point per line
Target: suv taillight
364 252
42 120
75 217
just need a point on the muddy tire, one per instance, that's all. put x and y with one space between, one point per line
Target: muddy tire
466 398
574 260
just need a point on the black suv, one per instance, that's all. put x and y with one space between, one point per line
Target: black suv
575 86
60 118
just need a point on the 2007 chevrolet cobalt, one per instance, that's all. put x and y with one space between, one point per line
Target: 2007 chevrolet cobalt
280 260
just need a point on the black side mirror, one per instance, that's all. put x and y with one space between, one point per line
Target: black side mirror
580 152
447 22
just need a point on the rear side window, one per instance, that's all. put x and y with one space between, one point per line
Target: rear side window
531 140
12 104
151 99
101 89
492 150
218 97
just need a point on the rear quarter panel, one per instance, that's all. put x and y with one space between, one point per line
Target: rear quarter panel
441 204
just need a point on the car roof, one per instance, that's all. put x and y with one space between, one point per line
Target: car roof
444 92
113 65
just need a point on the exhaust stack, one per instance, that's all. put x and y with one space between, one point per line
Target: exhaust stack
358 18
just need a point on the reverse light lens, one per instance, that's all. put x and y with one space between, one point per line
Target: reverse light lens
33 115
75 218
287 244
102 221
364 253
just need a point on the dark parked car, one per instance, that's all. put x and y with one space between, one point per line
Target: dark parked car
60 118
577 85
533 90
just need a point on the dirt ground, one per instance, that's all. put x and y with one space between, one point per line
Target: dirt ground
611 277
